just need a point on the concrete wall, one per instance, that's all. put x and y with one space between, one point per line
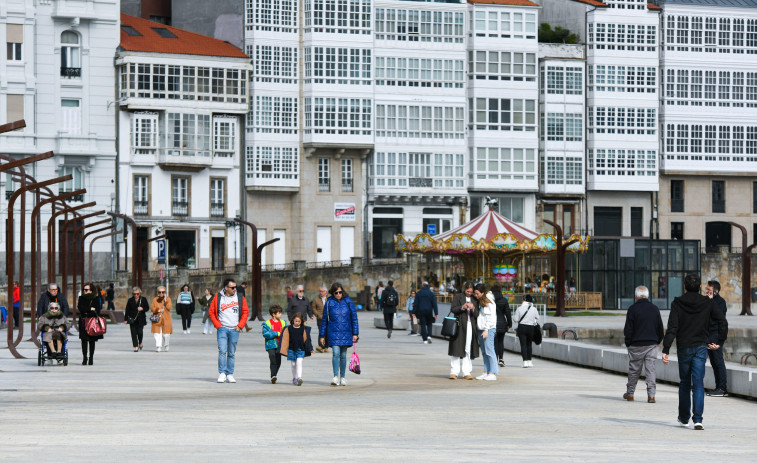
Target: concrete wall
566 14
726 269
626 200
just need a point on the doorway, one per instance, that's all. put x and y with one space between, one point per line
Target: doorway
717 234
181 248
143 234
323 244
218 250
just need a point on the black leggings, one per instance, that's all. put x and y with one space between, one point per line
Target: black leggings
275 359
136 334
84 348
186 315
389 320
526 336
499 344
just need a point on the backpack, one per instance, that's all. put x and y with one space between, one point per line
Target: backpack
390 298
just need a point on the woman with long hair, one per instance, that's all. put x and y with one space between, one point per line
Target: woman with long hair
464 347
185 306
89 305
487 328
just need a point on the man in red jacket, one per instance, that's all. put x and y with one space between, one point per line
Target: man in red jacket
228 312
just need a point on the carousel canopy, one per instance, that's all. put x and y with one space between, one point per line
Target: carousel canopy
490 232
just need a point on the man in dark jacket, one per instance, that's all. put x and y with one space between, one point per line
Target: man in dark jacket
643 333
389 301
716 355
52 295
688 325
426 310
299 303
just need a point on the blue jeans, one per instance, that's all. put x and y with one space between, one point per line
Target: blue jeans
227 346
487 351
339 360
691 371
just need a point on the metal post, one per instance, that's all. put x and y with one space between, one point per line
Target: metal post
79 260
141 248
64 254
134 245
560 284
90 248
746 272
83 238
51 235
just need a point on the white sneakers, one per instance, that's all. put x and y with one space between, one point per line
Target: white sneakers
698 426
490 377
343 382
335 381
157 349
187 332
483 376
221 378
528 363
230 379
681 423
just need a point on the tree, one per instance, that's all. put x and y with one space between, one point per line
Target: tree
556 35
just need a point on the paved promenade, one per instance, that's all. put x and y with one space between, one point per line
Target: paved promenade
151 406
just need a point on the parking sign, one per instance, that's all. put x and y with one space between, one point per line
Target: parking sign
161 251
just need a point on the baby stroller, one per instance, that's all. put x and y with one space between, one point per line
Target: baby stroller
46 355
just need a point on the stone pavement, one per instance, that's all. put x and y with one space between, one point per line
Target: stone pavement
151 406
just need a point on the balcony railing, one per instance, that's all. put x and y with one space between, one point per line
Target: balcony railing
141 207
347 186
217 210
74 199
180 208
420 182
324 186
70 72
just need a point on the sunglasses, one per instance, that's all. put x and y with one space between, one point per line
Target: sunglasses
232 287
87 290
338 292
161 292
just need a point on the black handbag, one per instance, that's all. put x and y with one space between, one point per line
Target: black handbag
450 326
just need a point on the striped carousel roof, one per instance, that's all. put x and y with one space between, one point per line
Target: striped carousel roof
487 226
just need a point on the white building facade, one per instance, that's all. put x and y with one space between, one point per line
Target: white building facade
56 73
182 98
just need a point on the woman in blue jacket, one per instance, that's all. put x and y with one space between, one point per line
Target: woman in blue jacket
339 329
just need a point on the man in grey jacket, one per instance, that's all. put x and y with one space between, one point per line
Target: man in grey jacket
299 303
643 333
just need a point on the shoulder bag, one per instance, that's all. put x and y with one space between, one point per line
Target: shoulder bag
537 327
450 326
133 320
95 326
355 361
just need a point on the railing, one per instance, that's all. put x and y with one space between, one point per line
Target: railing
329 264
573 300
74 199
347 186
418 182
180 208
210 270
278 267
217 210
324 186
141 207
70 72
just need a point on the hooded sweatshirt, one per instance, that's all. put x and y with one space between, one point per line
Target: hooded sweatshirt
689 322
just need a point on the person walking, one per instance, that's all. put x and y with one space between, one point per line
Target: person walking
162 328
528 318
339 330
272 330
296 345
379 293
717 360
228 311
207 326
389 301
464 347
16 303
52 295
504 323
135 313
412 321
110 294
299 304
317 308
185 306
688 326
643 332
487 329
89 305
426 309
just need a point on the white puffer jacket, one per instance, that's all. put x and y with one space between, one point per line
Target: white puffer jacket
487 316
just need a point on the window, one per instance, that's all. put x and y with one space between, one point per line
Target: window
608 221
180 196
14 108
224 137
70 55
141 195
70 112
131 31
676 196
512 208
144 133
676 230
504 114
218 197
14 36
188 134
72 185
718 196
324 182
347 186
165 33
754 200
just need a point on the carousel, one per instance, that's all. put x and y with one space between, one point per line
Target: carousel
492 248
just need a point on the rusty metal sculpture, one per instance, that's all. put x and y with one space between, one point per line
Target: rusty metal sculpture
84 237
92 242
560 284
134 244
139 260
257 272
746 271
51 234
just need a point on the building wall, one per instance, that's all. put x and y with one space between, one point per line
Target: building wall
220 19
625 200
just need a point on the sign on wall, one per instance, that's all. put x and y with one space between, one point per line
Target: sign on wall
344 212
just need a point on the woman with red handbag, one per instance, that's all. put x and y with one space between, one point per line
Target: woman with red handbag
89 305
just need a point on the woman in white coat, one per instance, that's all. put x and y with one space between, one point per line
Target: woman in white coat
528 317
487 328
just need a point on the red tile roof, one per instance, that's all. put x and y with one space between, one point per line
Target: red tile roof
596 3
185 43
505 2
652 6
